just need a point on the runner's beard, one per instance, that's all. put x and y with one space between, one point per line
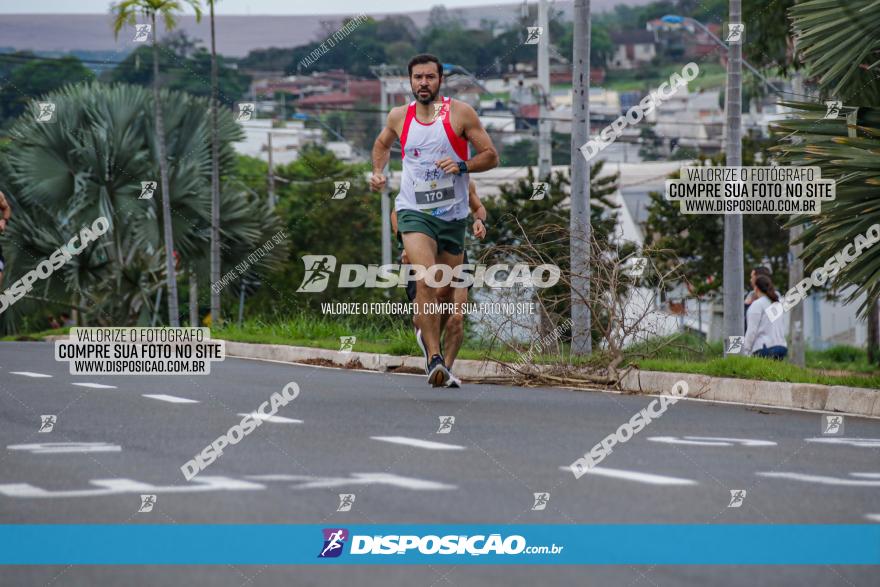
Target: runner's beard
426 101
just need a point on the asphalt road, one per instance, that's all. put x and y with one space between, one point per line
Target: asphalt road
364 433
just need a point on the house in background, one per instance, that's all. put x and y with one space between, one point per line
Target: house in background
632 49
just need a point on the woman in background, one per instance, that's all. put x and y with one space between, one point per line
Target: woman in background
764 337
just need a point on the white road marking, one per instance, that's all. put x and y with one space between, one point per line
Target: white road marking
119 486
29 374
865 442
95 385
710 441
873 517
649 478
170 398
65 447
273 419
418 442
825 480
310 482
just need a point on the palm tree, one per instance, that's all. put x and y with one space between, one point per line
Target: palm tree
839 51
90 164
216 317
125 13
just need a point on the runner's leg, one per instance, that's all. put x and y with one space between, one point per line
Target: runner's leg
421 250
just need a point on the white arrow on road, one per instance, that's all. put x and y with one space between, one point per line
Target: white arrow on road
120 486
29 374
649 478
710 441
867 479
310 482
418 442
170 398
66 447
95 385
274 419
865 442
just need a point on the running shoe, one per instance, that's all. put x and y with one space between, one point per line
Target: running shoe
421 342
438 375
453 381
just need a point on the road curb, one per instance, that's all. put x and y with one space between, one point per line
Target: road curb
854 401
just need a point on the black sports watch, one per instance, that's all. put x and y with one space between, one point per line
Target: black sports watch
462 167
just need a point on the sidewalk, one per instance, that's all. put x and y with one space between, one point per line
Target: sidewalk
831 398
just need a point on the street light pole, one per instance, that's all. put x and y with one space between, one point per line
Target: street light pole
733 224
545 152
579 221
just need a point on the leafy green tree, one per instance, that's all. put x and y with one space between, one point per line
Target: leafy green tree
25 81
696 240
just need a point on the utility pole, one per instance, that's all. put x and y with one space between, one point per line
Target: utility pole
733 224
579 222
386 198
271 172
545 150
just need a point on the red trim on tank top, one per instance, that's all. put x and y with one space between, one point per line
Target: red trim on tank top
410 114
459 144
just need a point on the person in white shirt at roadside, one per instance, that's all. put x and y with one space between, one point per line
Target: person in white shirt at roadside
764 337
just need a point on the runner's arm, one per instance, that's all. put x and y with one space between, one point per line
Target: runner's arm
384 142
393 222
477 208
5 212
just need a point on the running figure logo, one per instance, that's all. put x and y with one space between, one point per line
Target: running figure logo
539 190
440 110
833 108
446 423
735 33
147 503
148 188
142 33
832 425
319 268
245 111
637 269
346 343
736 498
534 34
341 189
734 345
334 540
346 500
45 112
47 423
541 501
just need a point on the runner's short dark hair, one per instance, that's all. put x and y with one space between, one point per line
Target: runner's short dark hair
762 270
425 58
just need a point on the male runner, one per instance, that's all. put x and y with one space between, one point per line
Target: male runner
5 215
432 207
452 326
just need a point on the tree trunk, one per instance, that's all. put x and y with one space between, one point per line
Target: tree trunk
874 333
193 298
216 317
171 277
733 223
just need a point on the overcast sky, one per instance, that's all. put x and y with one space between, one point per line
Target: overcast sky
248 6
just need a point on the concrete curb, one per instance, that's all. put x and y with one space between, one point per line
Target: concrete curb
854 401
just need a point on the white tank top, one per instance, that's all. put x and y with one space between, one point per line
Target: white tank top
423 185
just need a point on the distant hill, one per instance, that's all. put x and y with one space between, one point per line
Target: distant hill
236 34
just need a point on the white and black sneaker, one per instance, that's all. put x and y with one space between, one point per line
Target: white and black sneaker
421 342
453 381
438 374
